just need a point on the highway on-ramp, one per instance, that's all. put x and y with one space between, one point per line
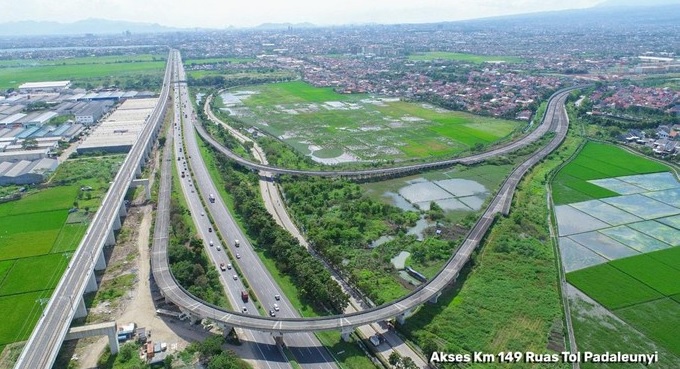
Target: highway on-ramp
555 119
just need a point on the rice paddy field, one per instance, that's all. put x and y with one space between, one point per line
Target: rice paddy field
619 227
38 236
334 128
597 161
18 71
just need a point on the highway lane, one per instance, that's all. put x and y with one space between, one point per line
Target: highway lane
264 354
555 119
43 345
274 204
306 348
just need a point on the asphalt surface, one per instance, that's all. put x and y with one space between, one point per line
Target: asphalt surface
43 345
555 120
306 348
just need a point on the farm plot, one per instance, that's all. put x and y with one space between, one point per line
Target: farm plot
34 274
54 198
29 234
20 313
600 161
328 125
658 319
648 270
611 287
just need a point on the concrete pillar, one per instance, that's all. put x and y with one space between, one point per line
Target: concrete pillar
401 318
345 333
116 223
113 341
110 239
122 211
101 262
434 298
143 182
81 310
194 319
138 171
91 283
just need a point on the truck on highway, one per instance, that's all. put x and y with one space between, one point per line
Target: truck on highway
211 197
244 296
236 243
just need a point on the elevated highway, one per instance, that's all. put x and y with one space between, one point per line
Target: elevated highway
555 120
66 302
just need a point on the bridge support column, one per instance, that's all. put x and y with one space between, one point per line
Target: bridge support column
113 341
401 318
116 223
434 298
101 262
345 334
91 283
143 182
81 310
110 239
122 211
278 339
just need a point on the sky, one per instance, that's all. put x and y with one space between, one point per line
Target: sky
248 13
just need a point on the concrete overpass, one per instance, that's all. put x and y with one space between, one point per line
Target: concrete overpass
67 302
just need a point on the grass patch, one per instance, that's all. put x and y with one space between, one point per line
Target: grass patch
12 77
470 58
108 59
596 161
658 319
50 199
670 256
20 312
651 272
35 274
5 266
114 288
348 354
69 238
611 287
598 331
368 127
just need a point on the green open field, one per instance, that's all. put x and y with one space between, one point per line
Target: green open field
611 287
658 320
363 127
34 274
69 237
648 270
596 161
20 312
471 58
54 198
17 71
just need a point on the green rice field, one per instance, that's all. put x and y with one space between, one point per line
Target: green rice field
15 72
596 161
359 127
470 58
218 60
36 240
642 290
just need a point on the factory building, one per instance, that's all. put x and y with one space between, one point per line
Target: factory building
26 172
47 86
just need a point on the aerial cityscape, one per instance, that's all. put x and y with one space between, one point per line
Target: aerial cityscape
365 186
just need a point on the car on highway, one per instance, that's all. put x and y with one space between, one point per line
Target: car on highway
209 229
229 266
277 297
238 256
211 243
235 277
272 313
245 310
202 214
236 243
276 307
219 248
222 267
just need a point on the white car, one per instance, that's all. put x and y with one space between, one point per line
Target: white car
235 277
276 307
211 243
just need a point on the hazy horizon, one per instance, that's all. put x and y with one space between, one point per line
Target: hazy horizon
218 14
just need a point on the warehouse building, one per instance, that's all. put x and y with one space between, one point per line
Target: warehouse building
119 131
92 112
27 172
47 86
24 155
12 119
